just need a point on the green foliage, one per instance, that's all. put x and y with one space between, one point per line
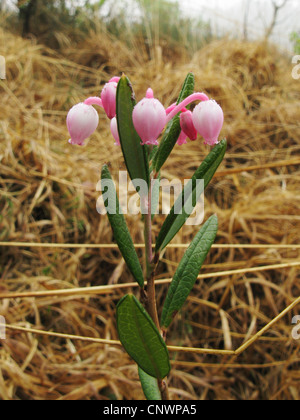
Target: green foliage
119 227
164 19
188 198
295 38
188 270
173 129
141 339
157 22
139 326
135 155
51 22
150 386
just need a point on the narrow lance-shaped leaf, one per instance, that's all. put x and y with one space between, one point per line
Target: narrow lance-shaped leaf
135 155
191 193
150 386
173 129
119 226
188 270
141 339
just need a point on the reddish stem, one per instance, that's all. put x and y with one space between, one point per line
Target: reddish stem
94 100
198 96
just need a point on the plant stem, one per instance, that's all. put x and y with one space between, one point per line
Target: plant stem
151 264
164 391
198 96
150 267
94 100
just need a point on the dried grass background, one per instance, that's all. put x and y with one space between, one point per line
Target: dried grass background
48 194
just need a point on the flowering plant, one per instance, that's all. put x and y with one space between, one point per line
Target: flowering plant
137 128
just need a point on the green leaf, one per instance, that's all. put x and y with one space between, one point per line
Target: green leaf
119 227
141 339
188 270
135 155
173 129
189 196
150 386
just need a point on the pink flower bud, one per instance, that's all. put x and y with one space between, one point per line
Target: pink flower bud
187 126
149 119
182 138
114 130
82 121
149 93
108 97
115 79
208 120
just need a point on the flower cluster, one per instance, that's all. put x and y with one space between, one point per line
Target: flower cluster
149 117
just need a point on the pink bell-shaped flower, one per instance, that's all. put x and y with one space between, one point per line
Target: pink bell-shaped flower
187 125
149 118
208 120
182 138
114 130
108 97
82 121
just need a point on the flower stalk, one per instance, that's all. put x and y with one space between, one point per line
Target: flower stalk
150 265
198 96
